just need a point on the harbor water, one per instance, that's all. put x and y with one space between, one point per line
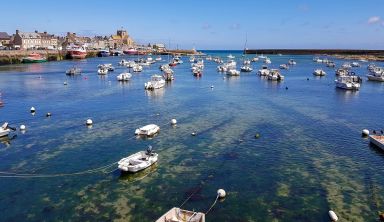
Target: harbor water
283 151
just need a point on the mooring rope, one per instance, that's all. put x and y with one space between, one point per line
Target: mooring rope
217 197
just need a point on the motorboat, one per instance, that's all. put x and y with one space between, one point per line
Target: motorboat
158 58
349 82
138 161
355 64
148 130
73 71
376 76
5 129
233 72
107 66
246 68
34 58
342 72
267 61
319 72
197 72
247 62
291 62
346 66
331 64
156 82
102 71
222 68
377 139
255 59
264 71
230 56
284 66
179 215
275 75
103 53
125 76
137 68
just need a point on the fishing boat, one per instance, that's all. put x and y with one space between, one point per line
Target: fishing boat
377 139
5 129
148 130
73 71
34 58
125 76
349 82
156 82
76 52
179 215
319 72
275 75
130 51
138 161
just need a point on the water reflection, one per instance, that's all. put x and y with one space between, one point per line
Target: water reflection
6 140
155 94
346 95
127 177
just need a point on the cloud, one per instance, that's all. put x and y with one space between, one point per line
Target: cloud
235 26
374 20
206 26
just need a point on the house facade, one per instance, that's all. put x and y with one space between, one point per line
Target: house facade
34 40
5 39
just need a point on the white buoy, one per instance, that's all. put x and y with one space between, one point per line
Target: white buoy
89 122
221 193
333 215
193 133
48 114
33 109
65 83
212 87
173 121
22 127
365 132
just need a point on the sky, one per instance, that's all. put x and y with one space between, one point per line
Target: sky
210 24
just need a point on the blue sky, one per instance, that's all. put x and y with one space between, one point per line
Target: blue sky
210 24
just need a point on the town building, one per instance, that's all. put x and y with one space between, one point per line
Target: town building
5 39
73 39
34 40
120 40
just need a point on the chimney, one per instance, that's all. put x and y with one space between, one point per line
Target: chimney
36 31
17 31
45 32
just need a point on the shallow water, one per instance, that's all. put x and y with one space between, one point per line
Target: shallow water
309 158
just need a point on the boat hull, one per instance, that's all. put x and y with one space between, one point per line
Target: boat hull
77 54
137 162
377 141
26 60
376 78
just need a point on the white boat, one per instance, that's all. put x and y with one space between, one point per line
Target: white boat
247 62
233 72
355 64
331 64
262 57
179 215
158 58
230 56
319 72
73 71
102 71
291 62
156 82
267 61
284 66
148 130
348 82
138 161
376 77
246 68
264 71
255 59
342 72
137 68
275 75
377 140
346 66
125 76
5 130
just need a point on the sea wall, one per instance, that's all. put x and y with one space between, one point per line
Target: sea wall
15 56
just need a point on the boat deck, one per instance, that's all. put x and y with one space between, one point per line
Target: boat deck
378 140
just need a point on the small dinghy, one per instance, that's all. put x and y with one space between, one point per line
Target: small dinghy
148 130
5 129
178 215
138 161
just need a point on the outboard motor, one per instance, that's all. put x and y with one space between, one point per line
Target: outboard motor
149 150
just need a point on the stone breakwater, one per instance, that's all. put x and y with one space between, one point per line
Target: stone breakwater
16 56
357 54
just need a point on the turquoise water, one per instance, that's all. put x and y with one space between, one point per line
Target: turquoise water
309 158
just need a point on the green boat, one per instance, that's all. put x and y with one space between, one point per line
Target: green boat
34 58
